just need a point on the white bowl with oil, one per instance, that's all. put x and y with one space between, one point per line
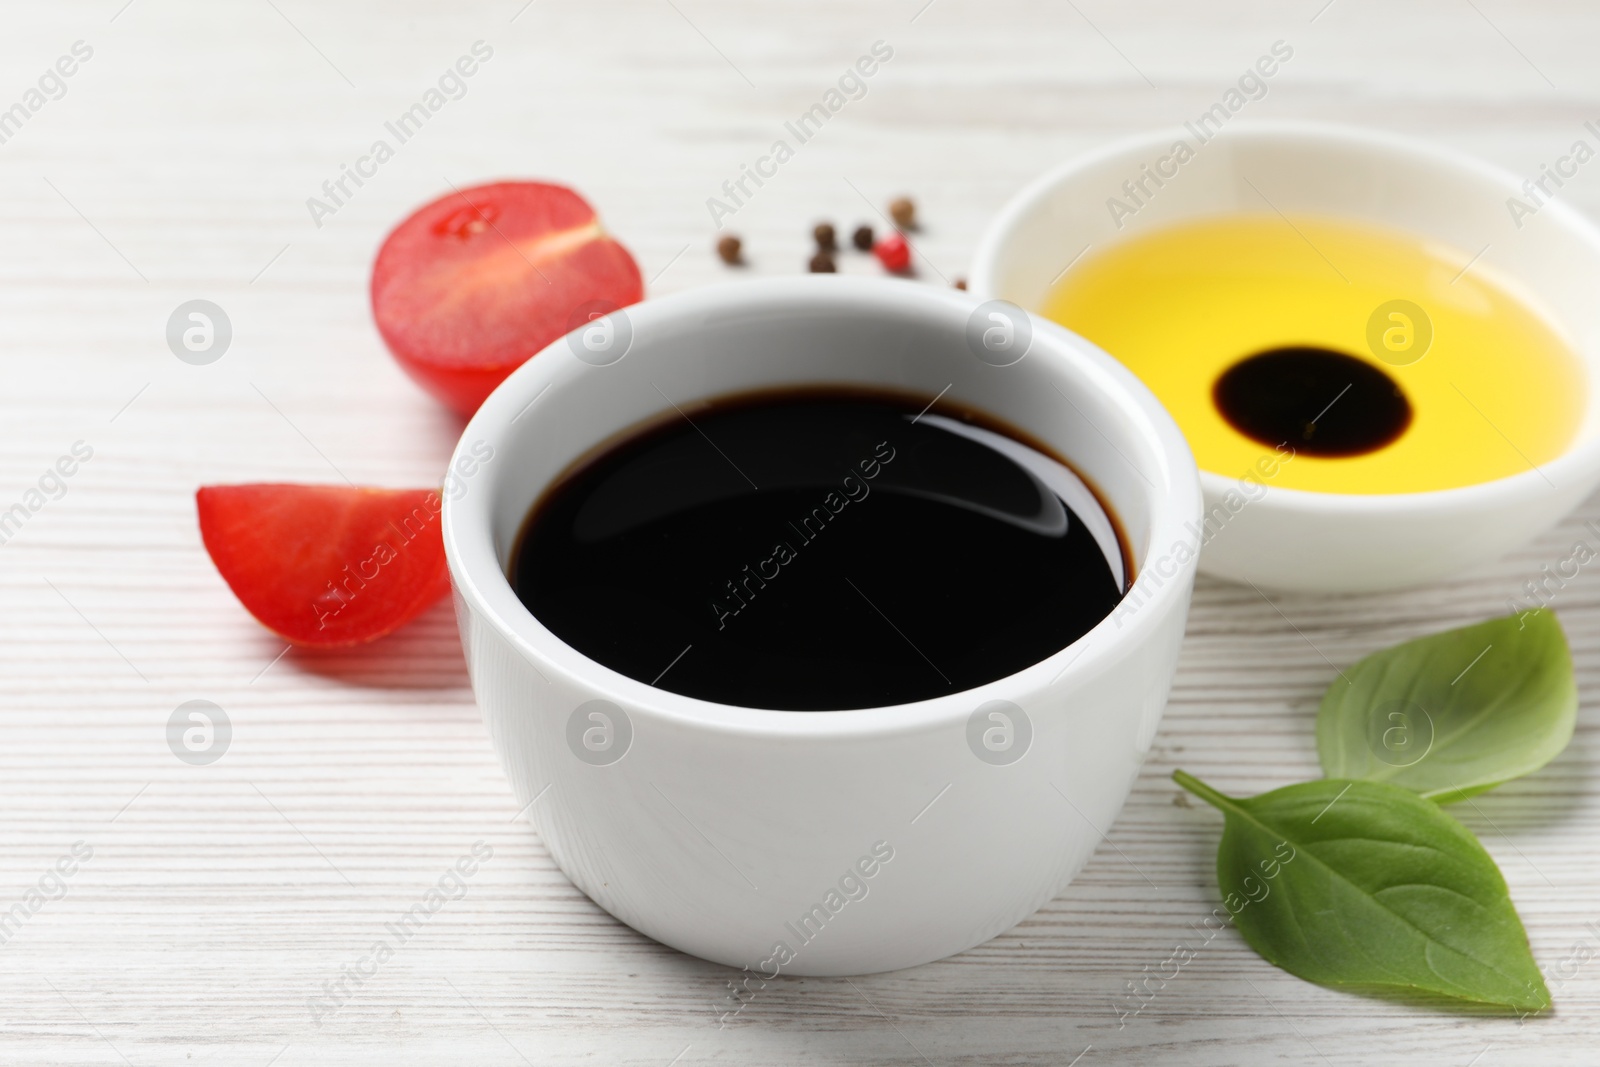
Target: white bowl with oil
1296 539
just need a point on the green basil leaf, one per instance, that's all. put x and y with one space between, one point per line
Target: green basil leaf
1369 886
1453 714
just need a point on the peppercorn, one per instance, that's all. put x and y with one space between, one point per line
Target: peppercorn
822 263
904 212
824 235
961 283
862 238
730 248
894 253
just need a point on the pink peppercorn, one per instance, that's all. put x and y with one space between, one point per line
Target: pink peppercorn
893 252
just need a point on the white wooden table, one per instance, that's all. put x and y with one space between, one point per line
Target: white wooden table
219 899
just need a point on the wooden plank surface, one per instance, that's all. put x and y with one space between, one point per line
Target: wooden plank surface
220 899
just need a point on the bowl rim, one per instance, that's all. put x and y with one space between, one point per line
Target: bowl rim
1175 499
1576 466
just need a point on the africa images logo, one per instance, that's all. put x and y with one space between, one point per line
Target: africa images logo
853 885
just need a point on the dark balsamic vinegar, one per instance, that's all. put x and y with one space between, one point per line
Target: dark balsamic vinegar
1320 402
815 551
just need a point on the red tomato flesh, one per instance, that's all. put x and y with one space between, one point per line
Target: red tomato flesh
470 286
326 565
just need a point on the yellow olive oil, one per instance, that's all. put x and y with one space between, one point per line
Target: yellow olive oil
1389 363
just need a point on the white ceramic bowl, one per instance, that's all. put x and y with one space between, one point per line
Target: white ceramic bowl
723 830
1327 542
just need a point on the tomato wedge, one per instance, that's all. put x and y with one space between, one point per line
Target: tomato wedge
471 285
326 565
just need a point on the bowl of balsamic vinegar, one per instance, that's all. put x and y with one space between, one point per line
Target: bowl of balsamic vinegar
818 622
1384 354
